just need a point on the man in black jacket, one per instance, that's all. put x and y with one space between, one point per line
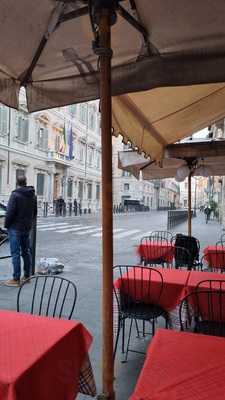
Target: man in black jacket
21 211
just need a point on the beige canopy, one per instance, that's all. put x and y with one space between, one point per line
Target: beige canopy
47 47
153 119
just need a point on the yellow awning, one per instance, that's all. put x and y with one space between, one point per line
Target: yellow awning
151 120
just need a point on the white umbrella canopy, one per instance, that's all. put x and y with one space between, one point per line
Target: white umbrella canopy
135 163
192 159
47 47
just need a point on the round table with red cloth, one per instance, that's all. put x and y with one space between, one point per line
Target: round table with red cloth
174 285
155 250
182 366
215 256
43 358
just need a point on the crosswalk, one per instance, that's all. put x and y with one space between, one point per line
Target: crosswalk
83 230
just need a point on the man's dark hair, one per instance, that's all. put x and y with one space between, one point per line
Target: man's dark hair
21 180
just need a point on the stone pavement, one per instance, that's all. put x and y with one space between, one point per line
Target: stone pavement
86 273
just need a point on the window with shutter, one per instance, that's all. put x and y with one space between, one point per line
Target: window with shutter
4 117
40 184
69 188
89 190
42 138
22 128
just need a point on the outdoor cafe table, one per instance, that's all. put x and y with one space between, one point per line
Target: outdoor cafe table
197 276
174 285
155 250
215 256
182 366
43 358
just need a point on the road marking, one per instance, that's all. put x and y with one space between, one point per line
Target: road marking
75 229
57 227
114 230
89 231
52 225
127 233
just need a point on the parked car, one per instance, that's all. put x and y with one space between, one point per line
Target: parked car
3 231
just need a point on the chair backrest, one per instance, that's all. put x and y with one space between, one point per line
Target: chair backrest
204 305
182 258
221 242
190 243
211 284
47 295
214 259
156 251
222 237
161 235
135 285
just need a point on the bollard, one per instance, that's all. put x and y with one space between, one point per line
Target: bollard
33 238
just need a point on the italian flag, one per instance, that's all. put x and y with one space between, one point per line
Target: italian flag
62 148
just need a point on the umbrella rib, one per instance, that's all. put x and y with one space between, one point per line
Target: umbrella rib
73 14
52 25
139 27
129 104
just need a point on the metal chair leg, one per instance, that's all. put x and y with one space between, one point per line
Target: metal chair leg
128 341
153 326
117 338
143 327
123 335
138 332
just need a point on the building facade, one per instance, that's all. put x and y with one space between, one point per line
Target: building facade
155 194
59 151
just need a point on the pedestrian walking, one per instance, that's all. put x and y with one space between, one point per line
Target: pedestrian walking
75 207
21 211
207 212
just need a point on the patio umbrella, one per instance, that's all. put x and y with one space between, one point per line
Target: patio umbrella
48 48
191 158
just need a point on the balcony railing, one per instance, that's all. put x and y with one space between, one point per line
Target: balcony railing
54 156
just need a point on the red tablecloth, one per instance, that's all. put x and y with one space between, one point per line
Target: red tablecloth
197 276
215 256
182 366
174 283
40 358
201 302
156 250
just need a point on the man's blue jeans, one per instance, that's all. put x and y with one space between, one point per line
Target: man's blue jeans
20 243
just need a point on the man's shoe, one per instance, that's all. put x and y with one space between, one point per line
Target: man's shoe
25 279
13 282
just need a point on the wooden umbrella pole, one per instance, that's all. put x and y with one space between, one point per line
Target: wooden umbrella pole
107 215
189 205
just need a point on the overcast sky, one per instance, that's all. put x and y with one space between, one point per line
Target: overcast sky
201 134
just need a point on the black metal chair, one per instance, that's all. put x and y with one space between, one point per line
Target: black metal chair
214 261
205 311
47 295
153 254
222 237
162 235
192 244
137 300
182 258
221 242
